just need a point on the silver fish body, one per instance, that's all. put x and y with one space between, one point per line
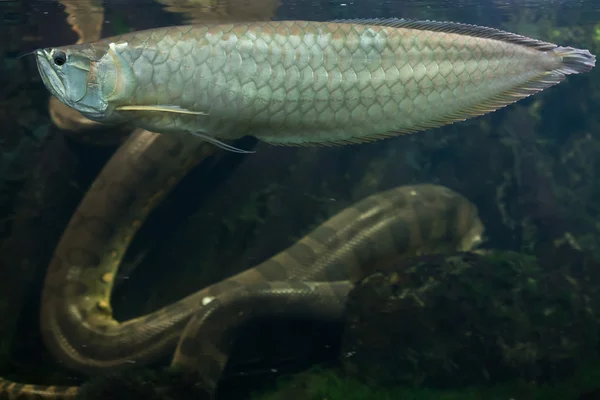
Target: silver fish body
305 83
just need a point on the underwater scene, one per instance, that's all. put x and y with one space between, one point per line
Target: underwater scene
299 199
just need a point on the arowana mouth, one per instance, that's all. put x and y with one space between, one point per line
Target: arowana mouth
49 76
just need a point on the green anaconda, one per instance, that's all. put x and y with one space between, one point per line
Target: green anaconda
311 277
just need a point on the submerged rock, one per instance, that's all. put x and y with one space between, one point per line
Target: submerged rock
464 319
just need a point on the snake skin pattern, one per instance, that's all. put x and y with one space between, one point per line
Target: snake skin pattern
312 278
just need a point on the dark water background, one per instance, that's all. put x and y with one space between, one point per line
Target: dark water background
42 18
531 168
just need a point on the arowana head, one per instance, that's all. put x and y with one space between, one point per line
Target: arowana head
90 78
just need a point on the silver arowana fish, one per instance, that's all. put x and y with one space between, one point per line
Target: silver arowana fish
304 83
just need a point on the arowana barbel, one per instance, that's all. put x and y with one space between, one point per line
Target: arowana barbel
304 83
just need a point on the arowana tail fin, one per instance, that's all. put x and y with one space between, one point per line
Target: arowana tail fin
575 61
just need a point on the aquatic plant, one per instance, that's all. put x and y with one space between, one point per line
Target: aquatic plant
454 321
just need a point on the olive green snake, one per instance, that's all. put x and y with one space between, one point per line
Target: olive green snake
311 278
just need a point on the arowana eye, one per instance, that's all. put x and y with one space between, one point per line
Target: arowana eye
60 58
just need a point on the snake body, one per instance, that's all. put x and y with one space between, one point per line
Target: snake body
76 317
134 180
77 323
311 277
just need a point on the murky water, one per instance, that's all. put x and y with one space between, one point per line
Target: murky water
531 170
124 15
